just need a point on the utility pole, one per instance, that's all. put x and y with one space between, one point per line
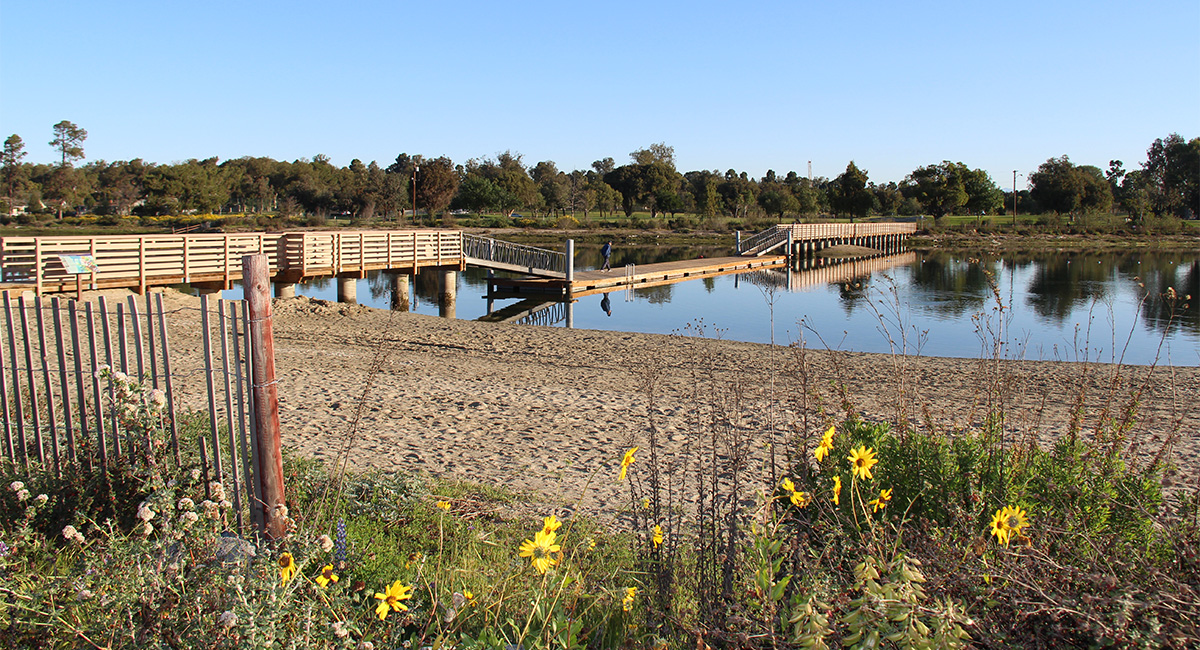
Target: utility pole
1014 197
416 168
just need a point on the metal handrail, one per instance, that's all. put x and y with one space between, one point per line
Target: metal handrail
764 239
530 257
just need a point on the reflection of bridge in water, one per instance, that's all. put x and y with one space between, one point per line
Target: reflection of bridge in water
811 272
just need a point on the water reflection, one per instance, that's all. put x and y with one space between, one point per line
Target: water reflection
1047 299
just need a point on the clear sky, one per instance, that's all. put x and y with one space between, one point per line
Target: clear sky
753 86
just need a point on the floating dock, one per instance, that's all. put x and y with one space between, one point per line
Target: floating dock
586 283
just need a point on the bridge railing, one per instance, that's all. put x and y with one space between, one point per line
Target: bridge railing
155 260
131 260
521 256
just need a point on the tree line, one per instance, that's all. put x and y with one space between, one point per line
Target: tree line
1166 183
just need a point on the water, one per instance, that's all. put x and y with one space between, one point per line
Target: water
1055 306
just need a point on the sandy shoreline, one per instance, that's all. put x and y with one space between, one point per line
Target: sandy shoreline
551 410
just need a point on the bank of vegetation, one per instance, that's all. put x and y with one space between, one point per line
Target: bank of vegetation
646 193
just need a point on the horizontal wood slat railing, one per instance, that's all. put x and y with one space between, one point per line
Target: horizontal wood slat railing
138 261
776 235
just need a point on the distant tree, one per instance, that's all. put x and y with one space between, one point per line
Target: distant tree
659 152
738 193
850 194
68 139
10 165
478 194
776 199
604 166
888 197
1060 186
1171 175
982 194
939 189
436 184
120 186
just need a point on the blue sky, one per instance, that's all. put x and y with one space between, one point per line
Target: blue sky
892 86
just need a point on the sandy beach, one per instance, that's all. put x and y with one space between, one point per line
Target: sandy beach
551 410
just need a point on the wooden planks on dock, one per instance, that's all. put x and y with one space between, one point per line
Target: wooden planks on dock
646 275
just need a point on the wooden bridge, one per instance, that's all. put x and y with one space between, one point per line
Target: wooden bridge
806 239
215 260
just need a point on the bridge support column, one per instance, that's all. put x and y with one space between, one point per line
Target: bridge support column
285 289
347 290
447 292
400 292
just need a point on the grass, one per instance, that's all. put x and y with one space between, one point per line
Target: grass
925 551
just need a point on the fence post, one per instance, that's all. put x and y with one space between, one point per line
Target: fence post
256 283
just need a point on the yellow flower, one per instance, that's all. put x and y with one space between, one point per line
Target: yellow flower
882 501
444 505
627 601
591 544
998 528
470 597
327 576
551 524
800 499
658 536
1008 522
287 567
645 503
626 462
861 461
826 445
390 599
540 550
837 490
788 485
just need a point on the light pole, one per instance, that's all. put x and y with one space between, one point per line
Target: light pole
415 169
1014 198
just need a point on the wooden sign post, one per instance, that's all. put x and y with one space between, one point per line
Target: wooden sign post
256 283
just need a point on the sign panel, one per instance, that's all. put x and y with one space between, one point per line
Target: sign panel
79 264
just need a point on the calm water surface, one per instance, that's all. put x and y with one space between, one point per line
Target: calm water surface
1059 306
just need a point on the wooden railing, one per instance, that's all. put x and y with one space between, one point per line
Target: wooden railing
777 235
148 260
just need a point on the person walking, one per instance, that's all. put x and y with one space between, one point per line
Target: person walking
606 251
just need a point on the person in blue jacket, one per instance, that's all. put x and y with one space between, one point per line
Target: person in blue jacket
606 251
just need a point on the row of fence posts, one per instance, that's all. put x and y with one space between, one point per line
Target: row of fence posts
71 415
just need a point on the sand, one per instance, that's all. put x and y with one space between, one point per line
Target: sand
550 411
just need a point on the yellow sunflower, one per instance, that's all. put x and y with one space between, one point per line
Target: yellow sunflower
540 550
627 601
327 576
389 600
882 501
551 524
826 445
287 567
658 536
626 462
862 460
1008 522
837 490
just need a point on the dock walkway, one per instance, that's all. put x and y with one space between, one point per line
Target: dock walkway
585 283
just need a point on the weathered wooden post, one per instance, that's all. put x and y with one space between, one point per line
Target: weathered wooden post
256 284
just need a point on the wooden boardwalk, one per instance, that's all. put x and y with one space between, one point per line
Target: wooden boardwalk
586 283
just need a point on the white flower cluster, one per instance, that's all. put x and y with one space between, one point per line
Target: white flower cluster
72 535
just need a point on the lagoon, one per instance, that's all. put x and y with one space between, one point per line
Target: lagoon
1052 306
